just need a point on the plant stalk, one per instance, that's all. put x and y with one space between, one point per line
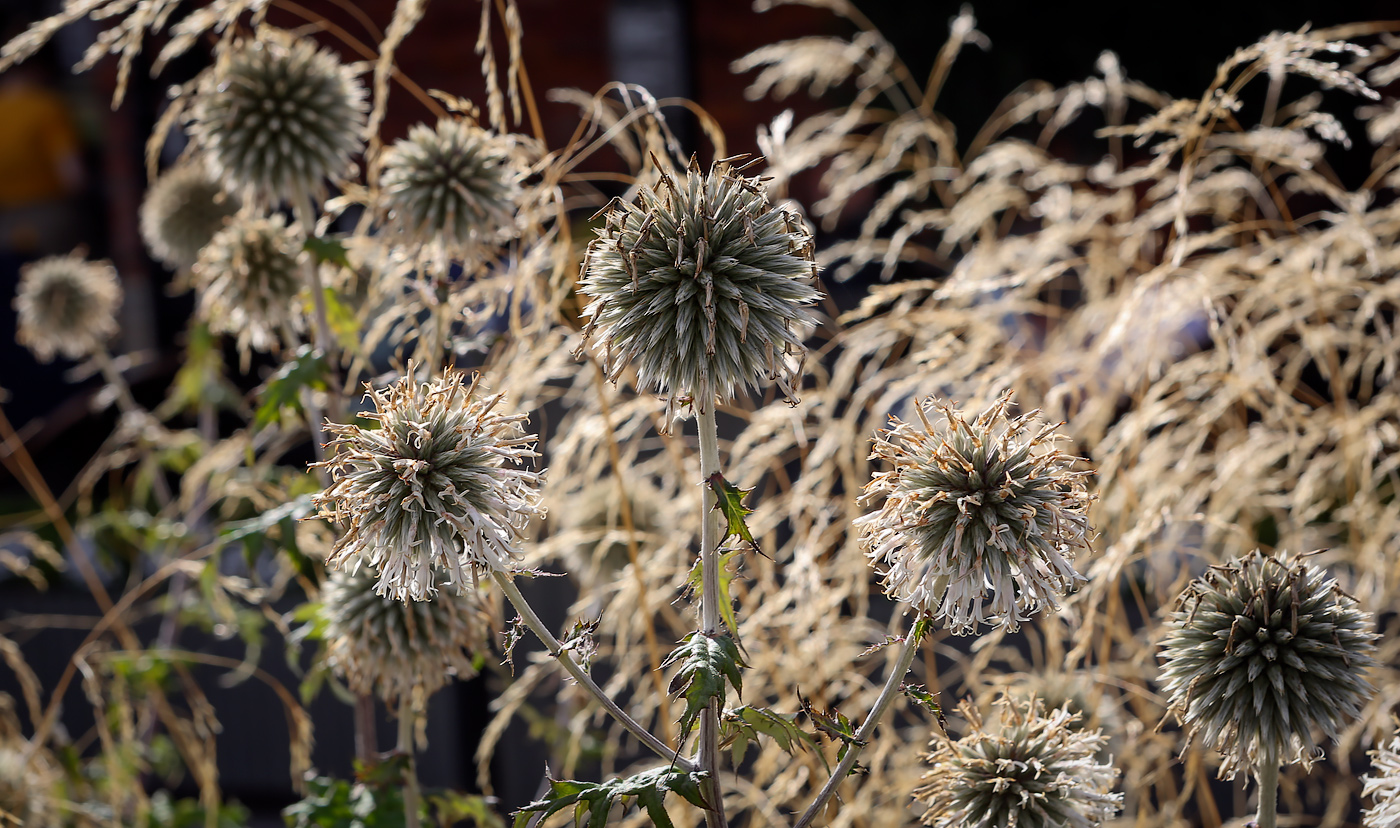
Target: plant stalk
1267 776
867 730
707 755
410 793
527 613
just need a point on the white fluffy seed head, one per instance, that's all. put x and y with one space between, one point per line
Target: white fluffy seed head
702 287
978 521
67 306
276 116
248 277
1261 654
181 212
432 488
1033 770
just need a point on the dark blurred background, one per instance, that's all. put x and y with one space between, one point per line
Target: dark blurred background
72 173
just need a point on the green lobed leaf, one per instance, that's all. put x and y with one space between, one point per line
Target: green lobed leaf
920 696
306 369
729 500
706 661
742 725
593 801
726 577
328 250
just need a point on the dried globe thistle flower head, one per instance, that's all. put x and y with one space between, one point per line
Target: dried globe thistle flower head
399 650
276 117
181 212
702 287
248 277
1384 788
431 487
1260 653
449 189
67 306
979 520
1034 771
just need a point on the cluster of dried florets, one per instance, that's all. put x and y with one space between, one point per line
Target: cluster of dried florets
181 212
399 650
431 488
67 306
248 277
702 287
979 520
1384 788
1263 651
1035 770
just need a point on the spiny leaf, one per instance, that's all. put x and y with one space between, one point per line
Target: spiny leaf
512 636
835 725
593 801
726 577
742 725
327 249
920 695
306 369
579 641
705 662
729 500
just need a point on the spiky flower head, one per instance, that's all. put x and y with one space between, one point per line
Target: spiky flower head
248 277
67 305
979 520
277 116
1384 788
1262 653
702 287
181 212
432 487
399 650
450 188
1032 770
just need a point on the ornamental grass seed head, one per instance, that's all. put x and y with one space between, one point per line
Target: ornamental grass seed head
432 487
1384 788
1262 652
399 650
276 116
1036 770
248 277
450 189
702 287
181 212
979 520
67 306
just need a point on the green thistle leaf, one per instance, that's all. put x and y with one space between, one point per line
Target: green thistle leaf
593 801
307 369
742 725
705 662
729 500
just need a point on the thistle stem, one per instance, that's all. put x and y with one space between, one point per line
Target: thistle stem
707 755
410 793
906 658
527 614
1267 776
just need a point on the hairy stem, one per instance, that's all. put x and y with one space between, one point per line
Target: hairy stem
527 614
707 755
1267 776
410 792
867 730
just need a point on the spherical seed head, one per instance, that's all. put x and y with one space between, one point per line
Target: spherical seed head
1033 771
702 286
452 188
399 649
432 487
1260 653
277 116
979 520
67 306
181 212
248 277
1384 788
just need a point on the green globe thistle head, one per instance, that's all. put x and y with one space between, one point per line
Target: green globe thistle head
1032 770
979 520
1262 653
1383 788
248 277
276 116
450 188
432 487
399 650
702 286
67 305
181 212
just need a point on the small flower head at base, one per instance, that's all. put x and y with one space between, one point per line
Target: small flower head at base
432 488
1263 652
1384 788
67 306
181 212
979 520
702 287
248 277
1034 769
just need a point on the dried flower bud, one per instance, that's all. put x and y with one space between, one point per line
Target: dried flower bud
973 508
276 117
1034 771
450 189
1383 788
67 305
399 649
1260 653
702 287
248 277
181 212
430 488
